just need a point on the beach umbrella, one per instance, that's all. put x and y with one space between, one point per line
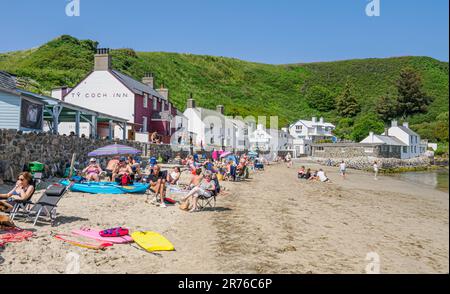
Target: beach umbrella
225 154
114 149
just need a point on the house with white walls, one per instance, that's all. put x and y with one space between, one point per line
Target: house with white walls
147 109
399 136
209 129
307 132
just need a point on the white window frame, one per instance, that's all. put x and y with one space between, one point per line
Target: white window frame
155 103
145 100
144 123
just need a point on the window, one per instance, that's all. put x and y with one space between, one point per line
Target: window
405 149
212 140
144 122
170 107
155 103
320 149
415 149
298 128
145 100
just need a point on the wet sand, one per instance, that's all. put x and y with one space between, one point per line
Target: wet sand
272 223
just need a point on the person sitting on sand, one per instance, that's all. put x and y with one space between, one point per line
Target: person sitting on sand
158 183
206 189
301 173
307 174
174 176
93 171
313 176
322 176
22 192
122 169
111 166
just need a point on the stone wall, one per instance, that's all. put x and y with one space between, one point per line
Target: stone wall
352 150
18 149
366 163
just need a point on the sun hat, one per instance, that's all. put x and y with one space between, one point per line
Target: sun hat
93 160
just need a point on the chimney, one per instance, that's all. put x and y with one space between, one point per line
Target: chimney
102 60
314 119
164 92
386 131
191 102
406 125
148 79
321 120
371 134
220 109
394 123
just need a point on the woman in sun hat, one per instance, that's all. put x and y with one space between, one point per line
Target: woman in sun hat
93 171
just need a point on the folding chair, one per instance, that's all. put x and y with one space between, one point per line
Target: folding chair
45 207
20 206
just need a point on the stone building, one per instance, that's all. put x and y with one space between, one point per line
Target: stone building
351 150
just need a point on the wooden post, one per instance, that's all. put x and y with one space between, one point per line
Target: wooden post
72 163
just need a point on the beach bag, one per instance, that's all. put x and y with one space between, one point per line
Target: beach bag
125 180
114 232
184 206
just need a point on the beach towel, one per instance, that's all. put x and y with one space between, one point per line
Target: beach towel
14 235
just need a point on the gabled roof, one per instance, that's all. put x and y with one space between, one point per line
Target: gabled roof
136 86
406 130
389 140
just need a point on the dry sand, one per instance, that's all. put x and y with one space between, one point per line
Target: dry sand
272 223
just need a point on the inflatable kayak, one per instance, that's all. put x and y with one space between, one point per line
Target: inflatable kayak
106 188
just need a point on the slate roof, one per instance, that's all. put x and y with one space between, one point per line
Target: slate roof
389 140
136 86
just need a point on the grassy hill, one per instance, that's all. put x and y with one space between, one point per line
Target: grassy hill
245 88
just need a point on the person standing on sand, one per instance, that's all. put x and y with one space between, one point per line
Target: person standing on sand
375 170
342 169
288 159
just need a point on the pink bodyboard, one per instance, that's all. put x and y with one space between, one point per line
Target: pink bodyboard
94 234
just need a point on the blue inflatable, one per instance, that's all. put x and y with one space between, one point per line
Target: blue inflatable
106 188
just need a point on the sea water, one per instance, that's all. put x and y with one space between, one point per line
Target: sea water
436 179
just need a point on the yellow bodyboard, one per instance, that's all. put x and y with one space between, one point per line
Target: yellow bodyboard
152 241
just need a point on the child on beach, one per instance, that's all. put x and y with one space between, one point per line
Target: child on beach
342 169
375 170
301 173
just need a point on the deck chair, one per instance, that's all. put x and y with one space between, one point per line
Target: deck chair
20 206
205 202
45 207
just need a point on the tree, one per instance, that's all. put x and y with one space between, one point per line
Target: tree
320 98
366 124
411 98
346 103
344 128
387 108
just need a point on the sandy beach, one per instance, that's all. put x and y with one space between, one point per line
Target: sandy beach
272 223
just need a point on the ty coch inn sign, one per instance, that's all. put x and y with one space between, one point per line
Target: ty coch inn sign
99 95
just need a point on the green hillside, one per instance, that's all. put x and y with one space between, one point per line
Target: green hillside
244 88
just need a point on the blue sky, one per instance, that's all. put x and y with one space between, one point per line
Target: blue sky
269 31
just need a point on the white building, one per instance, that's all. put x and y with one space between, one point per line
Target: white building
270 139
402 136
307 132
209 129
